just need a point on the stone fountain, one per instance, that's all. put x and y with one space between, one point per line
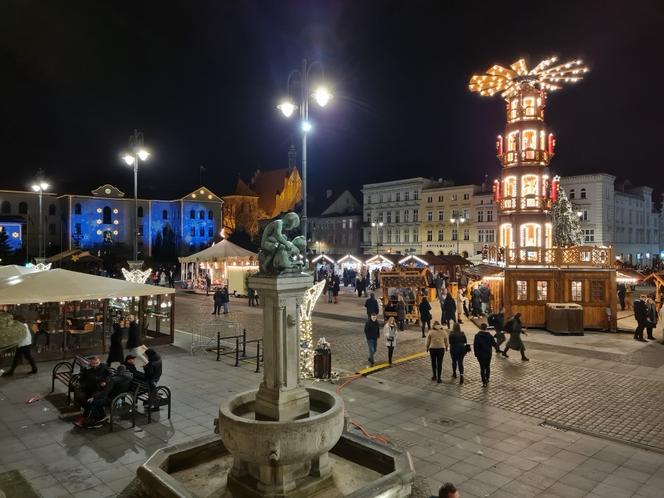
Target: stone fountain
282 440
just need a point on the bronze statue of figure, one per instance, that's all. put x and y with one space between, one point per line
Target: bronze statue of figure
278 254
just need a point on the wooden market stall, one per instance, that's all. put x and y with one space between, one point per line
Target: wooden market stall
350 262
72 313
225 263
657 278
491 275
451 264
412 284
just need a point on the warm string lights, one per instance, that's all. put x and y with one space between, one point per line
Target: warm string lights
306 308
545 76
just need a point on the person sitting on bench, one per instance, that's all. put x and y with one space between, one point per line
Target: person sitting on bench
152 374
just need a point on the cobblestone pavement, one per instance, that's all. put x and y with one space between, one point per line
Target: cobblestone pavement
602 402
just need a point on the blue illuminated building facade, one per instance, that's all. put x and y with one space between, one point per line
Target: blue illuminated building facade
106 217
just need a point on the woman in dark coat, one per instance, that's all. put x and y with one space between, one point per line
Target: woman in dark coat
449 310
458 343
115 352
133 336
335 289
515 329
425 314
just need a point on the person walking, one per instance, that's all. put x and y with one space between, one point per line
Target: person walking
372 333
425 314
133 336
497 321
208 283
217 300
225 299
449 310
515 329
622 291
371 305
115 352
641 316
652 317
483 346
458 350
476 302
390 331
18 325
330 288
401 312
335 289
250 294
436 344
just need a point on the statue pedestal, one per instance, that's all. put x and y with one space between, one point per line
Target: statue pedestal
281 396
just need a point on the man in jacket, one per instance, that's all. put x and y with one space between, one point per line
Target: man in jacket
371 304
22 349
641 316
483 346
217 300
372 333
225 299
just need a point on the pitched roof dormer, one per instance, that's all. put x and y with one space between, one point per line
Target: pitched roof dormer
108 190
202 194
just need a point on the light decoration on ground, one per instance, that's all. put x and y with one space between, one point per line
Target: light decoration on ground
546 76
306 308
42 266
136 276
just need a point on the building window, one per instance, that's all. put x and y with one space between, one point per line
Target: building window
406 196
210 215
406 236
192 215
465 213
416 196
522 290
77 229
51 228
398 196
6 207
440 198
529 139
509 186
577 290
388 217
584 215
201 231
51 210
201 215
490 236
397 218
397 236
23 208
77 208
480 235
429 199
106 215
416 215
140 230
164 214
416 237
466 234
542 290
140 211
529 185
454 197
571 193
192 231
455 234
429 215
440 234
589 235
388 235
531 235
406 215
480 216
597 290
343 224
441 215
466 197
583 193
429 235
489 216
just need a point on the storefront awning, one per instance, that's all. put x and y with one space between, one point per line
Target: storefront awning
64 285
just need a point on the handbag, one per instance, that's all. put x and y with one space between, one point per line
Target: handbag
468 349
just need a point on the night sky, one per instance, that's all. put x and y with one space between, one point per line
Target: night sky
202 79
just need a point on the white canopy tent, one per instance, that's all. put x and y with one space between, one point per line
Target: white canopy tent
64 285
224 262
14 270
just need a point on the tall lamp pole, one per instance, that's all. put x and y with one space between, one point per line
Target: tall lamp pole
378 225
40 186
137 152
458 222
321 96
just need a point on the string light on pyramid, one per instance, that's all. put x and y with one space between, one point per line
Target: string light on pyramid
548 75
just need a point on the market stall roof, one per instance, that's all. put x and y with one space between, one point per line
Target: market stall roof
14 271
485 271
349 257
629 275
435 260
391 259
324 257
219 252
64 285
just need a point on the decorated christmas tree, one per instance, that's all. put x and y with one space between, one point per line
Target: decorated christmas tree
5 249
566 227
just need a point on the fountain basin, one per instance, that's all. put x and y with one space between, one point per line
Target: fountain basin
283 442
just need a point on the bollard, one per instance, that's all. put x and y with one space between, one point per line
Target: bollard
237 351
244 343
258 355
218 345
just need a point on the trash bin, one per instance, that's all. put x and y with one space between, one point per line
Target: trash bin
575 319
322 364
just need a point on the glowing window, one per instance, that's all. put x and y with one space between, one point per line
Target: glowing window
530 235
548 240
529 106
542 290
514 106
529 185
509 187
577 290
542 141
506 239
529 139
597 290
512 141
522 290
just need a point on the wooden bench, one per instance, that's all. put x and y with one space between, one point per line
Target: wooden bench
64 372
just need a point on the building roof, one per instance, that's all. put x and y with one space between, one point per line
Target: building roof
269 184
222 251
243 190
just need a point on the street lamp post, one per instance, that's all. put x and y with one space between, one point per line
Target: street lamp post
136 152
378 225
322 96
39 187
458 222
